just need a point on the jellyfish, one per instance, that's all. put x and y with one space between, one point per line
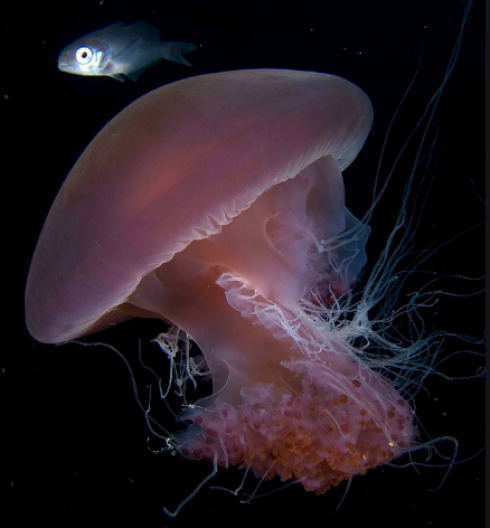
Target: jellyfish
217 204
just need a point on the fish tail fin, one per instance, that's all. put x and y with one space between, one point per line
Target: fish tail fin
173 51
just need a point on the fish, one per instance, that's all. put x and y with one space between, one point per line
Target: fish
121 51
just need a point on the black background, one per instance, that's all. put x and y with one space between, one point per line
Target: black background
75 451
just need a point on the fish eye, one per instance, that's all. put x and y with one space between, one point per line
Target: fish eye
84 55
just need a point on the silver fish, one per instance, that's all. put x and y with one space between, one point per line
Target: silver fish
120 51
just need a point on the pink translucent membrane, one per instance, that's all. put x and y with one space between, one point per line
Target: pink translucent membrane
292 397
321 419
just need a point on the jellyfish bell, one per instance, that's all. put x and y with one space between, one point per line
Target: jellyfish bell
187 184
217 204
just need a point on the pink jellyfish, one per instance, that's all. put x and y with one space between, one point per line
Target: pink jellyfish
217 204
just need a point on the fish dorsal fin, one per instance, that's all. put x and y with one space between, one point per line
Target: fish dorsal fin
150 31
115 25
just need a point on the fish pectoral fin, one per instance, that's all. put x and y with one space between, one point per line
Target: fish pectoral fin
118 77
128 49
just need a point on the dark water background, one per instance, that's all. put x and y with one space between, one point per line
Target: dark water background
75 451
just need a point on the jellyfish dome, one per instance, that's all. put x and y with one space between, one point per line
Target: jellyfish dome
216 204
